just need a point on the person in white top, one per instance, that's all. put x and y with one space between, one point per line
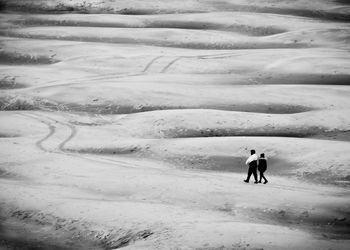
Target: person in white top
252 162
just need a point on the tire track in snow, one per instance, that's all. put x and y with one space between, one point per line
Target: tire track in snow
170 64
151 63
52 131
73 81
73 131
39 143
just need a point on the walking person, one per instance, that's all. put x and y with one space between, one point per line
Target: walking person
252 162
262 166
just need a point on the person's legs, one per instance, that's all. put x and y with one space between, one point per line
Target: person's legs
249 174
255 174
263 176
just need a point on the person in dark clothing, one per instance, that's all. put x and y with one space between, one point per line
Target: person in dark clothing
252 162
262 166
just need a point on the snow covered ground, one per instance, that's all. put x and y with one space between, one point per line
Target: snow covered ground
126 124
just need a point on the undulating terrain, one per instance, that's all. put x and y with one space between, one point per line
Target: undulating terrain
126 124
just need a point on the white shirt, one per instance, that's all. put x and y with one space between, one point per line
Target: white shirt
251 158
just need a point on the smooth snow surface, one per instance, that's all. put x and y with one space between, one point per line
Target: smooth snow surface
126 124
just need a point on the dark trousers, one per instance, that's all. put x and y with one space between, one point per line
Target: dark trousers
262 176
252 170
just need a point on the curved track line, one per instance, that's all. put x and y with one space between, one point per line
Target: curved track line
72 129
171 63
151 63
52 130
80 80
213 56
73 132
61 149
67 82
39 143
